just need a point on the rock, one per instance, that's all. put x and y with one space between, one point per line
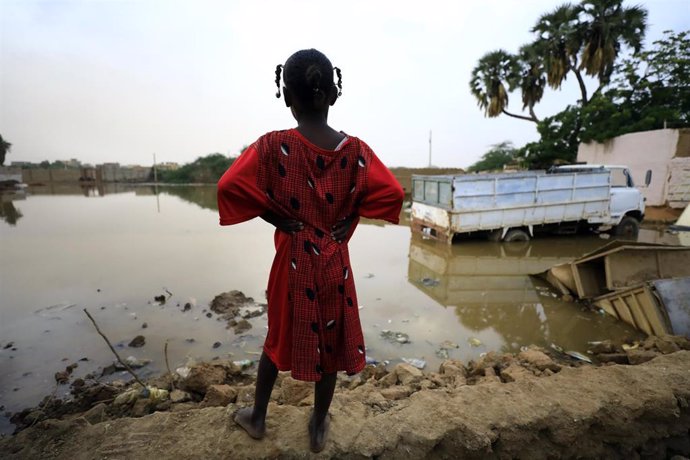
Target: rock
618 358
209 314
69 369
665 344
96 414
78 384
538 359
638 356
605 346
219 395
141 407
242 326
144 326
375 371
396 392
245 394
451 368
163 406
228 304
217 345
179 396
138 341
514 373
187 307
62 377
183 407
388 380
202 376
407 373
293 391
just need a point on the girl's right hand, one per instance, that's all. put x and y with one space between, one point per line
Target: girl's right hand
284 224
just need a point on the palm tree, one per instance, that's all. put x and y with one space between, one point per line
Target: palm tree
495 75
4 150
608 25
559 41
532 80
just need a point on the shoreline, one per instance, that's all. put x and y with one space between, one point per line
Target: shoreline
650 395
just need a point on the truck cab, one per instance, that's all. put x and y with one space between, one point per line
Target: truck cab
627 206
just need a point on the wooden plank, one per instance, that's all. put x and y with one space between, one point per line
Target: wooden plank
590 279
638 303
564 274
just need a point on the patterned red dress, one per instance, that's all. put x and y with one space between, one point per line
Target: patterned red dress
313 319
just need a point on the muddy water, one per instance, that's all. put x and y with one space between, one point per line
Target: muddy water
112 249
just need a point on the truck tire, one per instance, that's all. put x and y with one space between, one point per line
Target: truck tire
628 227
516 235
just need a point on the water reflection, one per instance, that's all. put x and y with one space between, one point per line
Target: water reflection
8 212
489 287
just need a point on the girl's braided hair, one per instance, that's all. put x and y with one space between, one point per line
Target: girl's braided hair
308 73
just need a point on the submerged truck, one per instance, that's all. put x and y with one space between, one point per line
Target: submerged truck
515 206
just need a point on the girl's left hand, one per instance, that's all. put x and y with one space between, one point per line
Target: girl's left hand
284 224
341 229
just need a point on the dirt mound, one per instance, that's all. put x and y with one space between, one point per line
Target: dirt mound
501 406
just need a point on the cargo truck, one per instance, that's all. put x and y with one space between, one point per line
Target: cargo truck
518 205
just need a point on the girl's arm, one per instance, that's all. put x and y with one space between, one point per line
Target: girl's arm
384 196
239 198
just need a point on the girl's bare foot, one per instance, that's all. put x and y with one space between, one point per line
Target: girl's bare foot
318 433
243 418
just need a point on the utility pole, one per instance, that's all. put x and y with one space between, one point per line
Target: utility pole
430 148
155 173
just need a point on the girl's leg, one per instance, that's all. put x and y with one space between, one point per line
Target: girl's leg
253 420
319 423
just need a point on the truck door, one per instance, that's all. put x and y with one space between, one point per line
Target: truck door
624 196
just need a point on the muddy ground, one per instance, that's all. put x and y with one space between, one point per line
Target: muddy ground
536 404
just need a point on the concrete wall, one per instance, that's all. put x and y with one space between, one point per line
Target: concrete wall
40 175
10 174
643 151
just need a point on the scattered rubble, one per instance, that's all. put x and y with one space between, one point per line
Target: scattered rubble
231 305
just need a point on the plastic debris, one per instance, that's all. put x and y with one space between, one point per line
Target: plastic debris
370 360
183 371
442 353
244 363
418 363
392 336
475 342
448 345
580 356
627 347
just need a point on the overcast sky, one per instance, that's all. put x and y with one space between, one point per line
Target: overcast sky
118 80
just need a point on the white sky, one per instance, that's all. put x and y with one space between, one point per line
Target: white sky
119 80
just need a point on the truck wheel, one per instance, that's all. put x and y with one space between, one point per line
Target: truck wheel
628 227
516 235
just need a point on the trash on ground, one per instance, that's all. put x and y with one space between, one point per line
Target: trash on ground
418 363
579 356
244 363
430 282
393 336
475 342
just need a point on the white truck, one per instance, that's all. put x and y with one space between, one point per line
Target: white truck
515 206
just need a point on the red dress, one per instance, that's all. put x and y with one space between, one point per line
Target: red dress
313 319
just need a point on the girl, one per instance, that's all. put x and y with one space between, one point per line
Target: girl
312 183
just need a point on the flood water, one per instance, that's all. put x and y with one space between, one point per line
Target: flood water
111 250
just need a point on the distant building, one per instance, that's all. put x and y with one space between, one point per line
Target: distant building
113 172
167 166
664 152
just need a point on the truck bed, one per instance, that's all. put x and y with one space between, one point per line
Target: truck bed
475 202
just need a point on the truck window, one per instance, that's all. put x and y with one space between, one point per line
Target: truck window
619 178
418 192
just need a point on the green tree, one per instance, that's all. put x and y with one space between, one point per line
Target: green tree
206 169
647 92
5 148
496 158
